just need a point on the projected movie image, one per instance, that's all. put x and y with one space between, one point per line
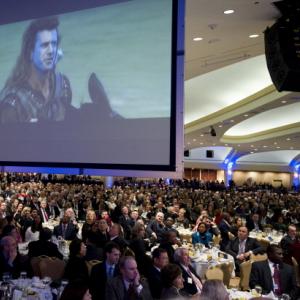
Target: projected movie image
97 80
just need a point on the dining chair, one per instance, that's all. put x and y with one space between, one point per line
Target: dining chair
52 267
258 257
91 263
214 273
296 270
245 270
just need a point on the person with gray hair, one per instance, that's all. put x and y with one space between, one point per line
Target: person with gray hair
214 289
192 283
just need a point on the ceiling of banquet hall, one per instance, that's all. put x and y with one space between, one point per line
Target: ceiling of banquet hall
227 85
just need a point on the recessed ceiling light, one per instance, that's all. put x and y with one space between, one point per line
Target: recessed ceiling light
194 140
251 152
245 116
253 36
277 147
291 148
197 39
201 143
214 144
226 144
201 134
288 139
265 146
252 146
231 121
255 149
228 11
283 101
275 143
188 143
220 126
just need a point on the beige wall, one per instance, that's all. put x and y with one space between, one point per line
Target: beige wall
273 178
220 175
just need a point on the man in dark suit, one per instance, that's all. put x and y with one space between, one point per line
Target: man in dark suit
128 285
273 275
253 223
155 227
286 243
243 246
43 246
104 271
44 211
192 283
125 221
66 229
160 259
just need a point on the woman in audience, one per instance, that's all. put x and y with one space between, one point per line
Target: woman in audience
33 232
26 220
202 235
214 289
11 230
181 220
139 246
235 226
76 290
76 267
172 281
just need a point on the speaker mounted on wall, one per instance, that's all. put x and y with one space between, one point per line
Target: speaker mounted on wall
209 153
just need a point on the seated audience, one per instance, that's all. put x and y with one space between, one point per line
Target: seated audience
243 246
287 242
105 270
33 232
159 260
115 234
172 282
10 260
192 284
214 289
66 229
87 226
168 242
202 236
43 246
128 285
76 267
155 227
273 275
254 223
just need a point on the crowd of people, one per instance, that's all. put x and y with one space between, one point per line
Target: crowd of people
119 225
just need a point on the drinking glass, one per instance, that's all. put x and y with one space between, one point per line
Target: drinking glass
210 244
46 281
258 290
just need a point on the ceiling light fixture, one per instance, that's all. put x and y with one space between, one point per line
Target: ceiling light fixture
283 101
245 116
228 11
253 36
197 39
194 140
288 139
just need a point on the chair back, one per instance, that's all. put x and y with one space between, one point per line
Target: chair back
214 273
258 257
264 243
217 240
227 269
245 270
296 270
35 265
92 263
52 267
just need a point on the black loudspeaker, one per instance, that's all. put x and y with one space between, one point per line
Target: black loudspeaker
186 153
282 49
209 153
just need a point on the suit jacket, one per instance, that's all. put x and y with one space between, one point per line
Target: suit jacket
70 233
155 284
115 290
251 245
261 275
224 229
98 280
154 226
250 225
39 247
42 216
189 288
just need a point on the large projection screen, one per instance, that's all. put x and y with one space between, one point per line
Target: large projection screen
92 86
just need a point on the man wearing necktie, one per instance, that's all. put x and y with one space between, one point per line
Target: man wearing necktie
242 247
105 271
128 285
192 283
273 275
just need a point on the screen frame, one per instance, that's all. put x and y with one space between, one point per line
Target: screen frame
175 166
